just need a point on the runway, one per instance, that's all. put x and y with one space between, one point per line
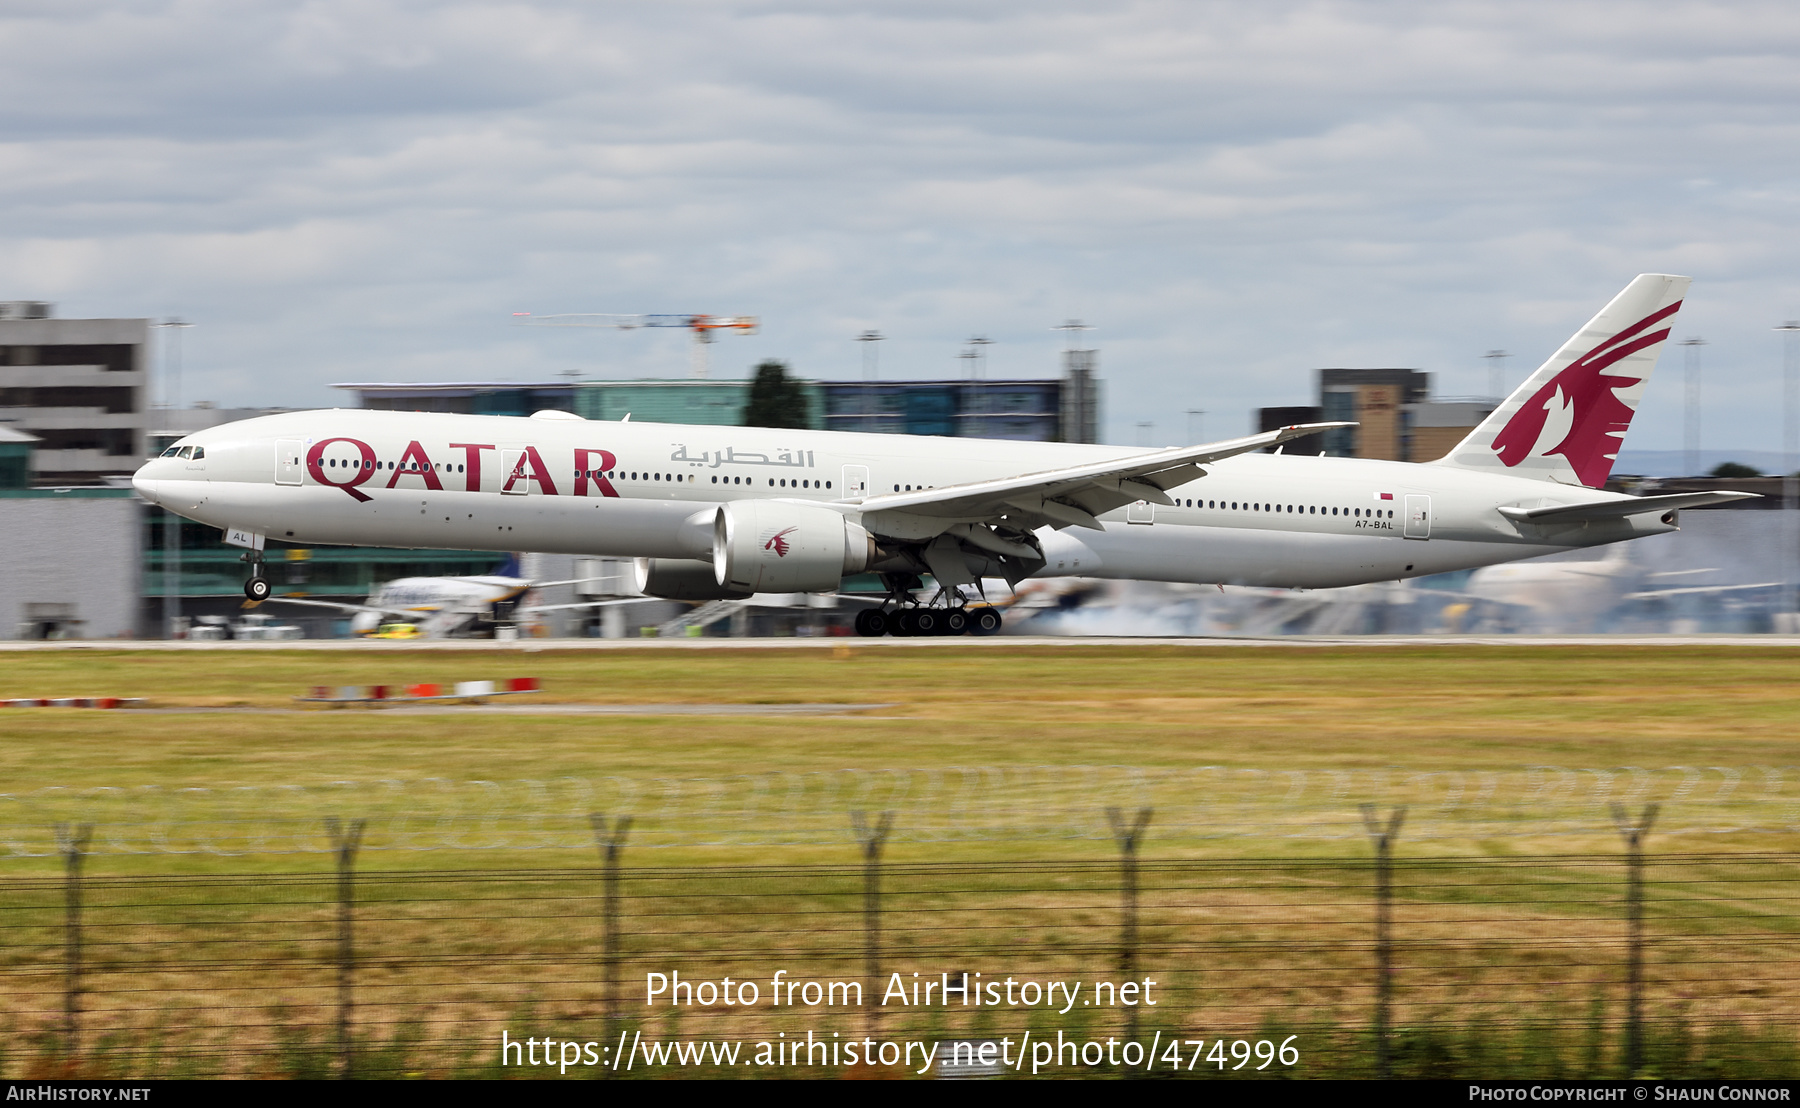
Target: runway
1001 642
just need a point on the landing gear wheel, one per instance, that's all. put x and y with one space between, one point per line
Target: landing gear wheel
927 622
956 622
904 623
984 621
871 622
257 588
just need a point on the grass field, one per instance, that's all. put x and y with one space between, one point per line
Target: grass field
1460 707
1161 708
1454 710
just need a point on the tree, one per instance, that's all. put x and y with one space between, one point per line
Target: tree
1733 469
776 400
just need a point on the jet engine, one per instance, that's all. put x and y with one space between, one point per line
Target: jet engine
777 546
682 579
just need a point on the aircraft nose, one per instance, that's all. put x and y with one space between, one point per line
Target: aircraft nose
144 486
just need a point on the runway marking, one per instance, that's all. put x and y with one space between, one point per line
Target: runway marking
397 709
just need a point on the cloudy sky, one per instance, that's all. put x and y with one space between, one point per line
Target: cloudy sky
1231 194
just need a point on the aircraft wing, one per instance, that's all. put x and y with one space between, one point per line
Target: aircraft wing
1619 509
587 604
404 613
1698 590
1073 496
570 581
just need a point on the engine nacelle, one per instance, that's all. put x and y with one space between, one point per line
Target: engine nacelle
776 546
682 579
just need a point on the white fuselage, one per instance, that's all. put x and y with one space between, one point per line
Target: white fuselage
409 479
442 604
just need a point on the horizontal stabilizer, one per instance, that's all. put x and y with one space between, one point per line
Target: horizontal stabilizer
1619 509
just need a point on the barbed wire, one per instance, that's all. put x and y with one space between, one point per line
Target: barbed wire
939 805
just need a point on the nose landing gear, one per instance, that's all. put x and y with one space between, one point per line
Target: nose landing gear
258 587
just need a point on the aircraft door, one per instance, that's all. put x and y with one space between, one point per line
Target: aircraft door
1141 512
288 455
1418 517
856 482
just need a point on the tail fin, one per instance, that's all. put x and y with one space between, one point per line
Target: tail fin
1566 421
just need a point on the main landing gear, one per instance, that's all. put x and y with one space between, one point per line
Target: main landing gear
913 622
258 587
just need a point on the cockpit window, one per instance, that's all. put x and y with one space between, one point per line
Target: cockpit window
186 452
199 452
170 452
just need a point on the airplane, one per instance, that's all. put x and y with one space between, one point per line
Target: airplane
725 512
1578 595
444 607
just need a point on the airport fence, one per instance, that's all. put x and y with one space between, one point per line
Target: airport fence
1378 960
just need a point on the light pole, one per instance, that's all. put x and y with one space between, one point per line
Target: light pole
976 355
1496 360
1078 372
171 521
1691 358
871 370
1790 459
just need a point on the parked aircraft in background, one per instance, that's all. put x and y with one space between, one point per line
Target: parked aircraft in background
1581 595
714 513
446 607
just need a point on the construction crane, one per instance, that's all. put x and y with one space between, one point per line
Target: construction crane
701 326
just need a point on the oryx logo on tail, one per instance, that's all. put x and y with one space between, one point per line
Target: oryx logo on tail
1566 423
1582 403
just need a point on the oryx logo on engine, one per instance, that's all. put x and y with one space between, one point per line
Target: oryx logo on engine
778 541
